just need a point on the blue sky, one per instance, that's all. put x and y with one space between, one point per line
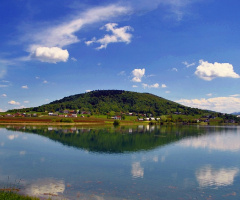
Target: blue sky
185 51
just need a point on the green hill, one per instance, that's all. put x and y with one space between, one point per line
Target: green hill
105 101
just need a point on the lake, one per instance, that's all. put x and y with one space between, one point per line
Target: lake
113 163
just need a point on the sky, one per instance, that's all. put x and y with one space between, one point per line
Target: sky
187 51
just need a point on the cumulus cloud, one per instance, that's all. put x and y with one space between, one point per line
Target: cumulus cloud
208 71
50 55
3 95
164 86
45 82
118 35
209 94
208 176
64 33
24 87
12 102
138 74
174 69
219 104
134 86
156 85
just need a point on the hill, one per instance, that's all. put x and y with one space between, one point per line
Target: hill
105 101
236 113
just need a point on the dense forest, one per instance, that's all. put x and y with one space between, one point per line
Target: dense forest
105 101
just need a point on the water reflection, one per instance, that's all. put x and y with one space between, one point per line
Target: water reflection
209 176
137 171
219 141
45 187
137 162
111 140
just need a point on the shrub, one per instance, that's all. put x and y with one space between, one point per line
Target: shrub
116 123
67 120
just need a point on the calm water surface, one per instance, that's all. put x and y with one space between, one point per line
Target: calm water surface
141 162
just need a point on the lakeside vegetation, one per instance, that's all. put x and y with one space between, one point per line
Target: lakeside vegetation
9 195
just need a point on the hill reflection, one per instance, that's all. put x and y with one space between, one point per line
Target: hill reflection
114 140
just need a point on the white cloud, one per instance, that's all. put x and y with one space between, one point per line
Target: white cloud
209 94
167 92
219 104
12 102
176 8
74 59
64 34
88 90
3 86
164 86
45 82
25 101
50 55
134 86
156 85
3 95
122 73
208 71
118 35
174 69
235 95
24 87
138 74
208 176
188 64
3 72
3 67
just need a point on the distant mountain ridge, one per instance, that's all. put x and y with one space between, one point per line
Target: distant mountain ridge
235 113
105 101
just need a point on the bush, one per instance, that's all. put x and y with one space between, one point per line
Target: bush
116 123
67 120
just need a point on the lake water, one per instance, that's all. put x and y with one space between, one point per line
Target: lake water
140 162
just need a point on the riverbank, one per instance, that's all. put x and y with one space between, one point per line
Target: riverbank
9 195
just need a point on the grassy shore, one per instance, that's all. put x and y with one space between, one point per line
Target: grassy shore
9 195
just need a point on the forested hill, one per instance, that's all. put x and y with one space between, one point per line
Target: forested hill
105 101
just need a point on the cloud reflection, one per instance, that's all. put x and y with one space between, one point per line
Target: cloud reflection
45 186
137 170
12 137
208 176
223 142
